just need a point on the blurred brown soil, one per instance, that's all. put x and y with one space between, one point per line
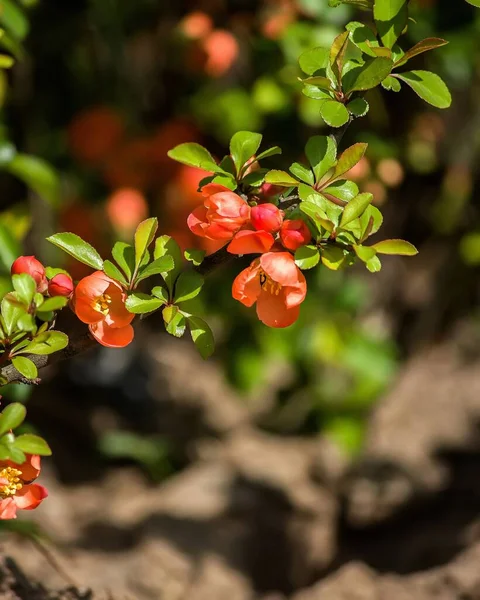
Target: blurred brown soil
257 516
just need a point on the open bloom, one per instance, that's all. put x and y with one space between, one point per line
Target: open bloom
223 213
16 488
276 284
99 301
34 268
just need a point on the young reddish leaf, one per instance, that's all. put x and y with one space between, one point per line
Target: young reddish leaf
337 54
424 46
399 247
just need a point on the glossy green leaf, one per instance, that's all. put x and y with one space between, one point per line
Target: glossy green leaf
364 253
334 113
26 322
160 266
188 285
342 189
313 60
302 173
25 287
243 145
363 37
12 416
202 336
13 19
38 175
274 150
52 304
114 272
362 4
167 246
194 155
399 247
25 367
424 46
391 18
349 158
367 76
321 152
474 3
47 342
358 107
307 257
333 257
280 178
144 235
355 208
161 293
392 84
429 86
11 312
374 265
50 272
139 303
194 255
175 321
32 444
74 245
314 92
318 80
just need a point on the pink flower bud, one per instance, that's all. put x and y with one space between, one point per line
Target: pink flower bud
266 217
34 268
61 285
268 190
294 234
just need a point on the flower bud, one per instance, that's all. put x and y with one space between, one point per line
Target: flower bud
34 268
294 234
268 190
61 285
266 217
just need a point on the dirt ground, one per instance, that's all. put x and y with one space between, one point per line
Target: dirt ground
256 516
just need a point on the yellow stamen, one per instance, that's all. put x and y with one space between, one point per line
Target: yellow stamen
267 283
102 303
14 484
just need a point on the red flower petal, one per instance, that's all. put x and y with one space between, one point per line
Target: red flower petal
110 336
251 242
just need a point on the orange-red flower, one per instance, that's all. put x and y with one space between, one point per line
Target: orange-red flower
16 488
276 284
266 217
251 242
61 285
295 233
223 213
34 268
99 301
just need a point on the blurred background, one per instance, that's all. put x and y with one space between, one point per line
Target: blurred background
301 463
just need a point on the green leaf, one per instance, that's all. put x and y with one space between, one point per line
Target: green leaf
243 145
175 322
364 253
355 208
280 178
358 107
312 91
47 342
74 245
144 235
307 257
202 336
32 444
370 221
114 272
12 416
474 3
362 4
194 255
10 248
25 366
26 322
363 37
194 155
392 84
337 54
55 303
269 152
424 46
188 285
6 62
391 18
429 86
322 82
302 173
50 272
334 113
161 293
374 265
349 158
367 76
11 312
139 303
38 175
124 255
333 257
399 247
313 60
167 246
160 266
342 189
14 19
321 152
25 287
